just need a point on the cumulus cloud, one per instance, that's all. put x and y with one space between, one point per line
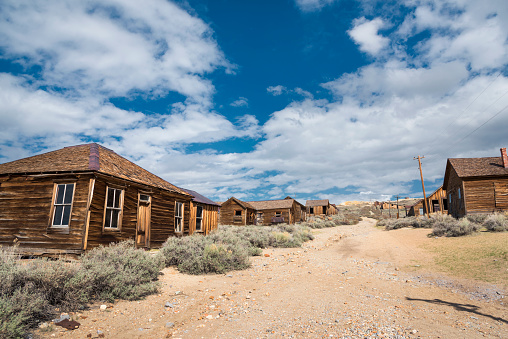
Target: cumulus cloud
276 90
240 102
112 47
312 5
365 33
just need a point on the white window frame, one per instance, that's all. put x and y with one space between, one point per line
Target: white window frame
199 219
178 217
64 204
118 194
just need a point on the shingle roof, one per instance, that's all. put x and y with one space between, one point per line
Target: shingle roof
312 203
240 202
478 167
272 204
85 158
200 198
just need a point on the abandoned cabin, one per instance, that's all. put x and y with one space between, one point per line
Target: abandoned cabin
80 197
236 212
204 216
438 203
319 207
271 212
477 185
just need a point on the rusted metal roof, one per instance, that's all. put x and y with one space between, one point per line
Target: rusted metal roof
200 198
312 203
86 158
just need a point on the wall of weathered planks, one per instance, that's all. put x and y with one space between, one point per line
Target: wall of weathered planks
210 217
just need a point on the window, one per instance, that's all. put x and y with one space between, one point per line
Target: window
114 205
238 213
144 198
458 191
62 205
199 218
278 214
311 210
178 217
421 210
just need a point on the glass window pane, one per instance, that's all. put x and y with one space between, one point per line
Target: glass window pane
68 193
107 222
199 212
60 191
198 224
66 215
114 218
57 219
118 193
111 196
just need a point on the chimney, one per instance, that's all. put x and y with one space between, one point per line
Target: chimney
504 157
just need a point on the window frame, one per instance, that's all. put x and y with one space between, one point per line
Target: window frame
200 218
54 204
180 217
120 209
278 214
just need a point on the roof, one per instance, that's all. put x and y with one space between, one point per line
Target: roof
239 202
475 167
272 204
312 203
86 158
200 198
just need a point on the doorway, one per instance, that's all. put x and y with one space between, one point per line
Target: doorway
144 216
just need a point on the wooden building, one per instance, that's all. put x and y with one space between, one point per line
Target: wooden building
80 197
318 207
204 214
437 200
270 212
477 185
236 212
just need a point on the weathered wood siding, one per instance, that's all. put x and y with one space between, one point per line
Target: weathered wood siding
268 214
456 205
162 213
25 212
486 195
227 214
210 217
318 210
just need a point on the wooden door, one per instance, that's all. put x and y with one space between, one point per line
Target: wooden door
143 224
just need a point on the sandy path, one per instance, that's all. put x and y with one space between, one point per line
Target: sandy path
350 282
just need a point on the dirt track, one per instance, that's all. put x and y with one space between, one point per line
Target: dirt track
350 282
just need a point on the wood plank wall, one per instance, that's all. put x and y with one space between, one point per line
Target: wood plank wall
227 214
25 209
210 217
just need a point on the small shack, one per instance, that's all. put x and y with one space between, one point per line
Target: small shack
270 212
438 203
80 197
477 185
204 214
236 212
318 207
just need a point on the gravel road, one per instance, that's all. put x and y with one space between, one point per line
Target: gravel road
350 282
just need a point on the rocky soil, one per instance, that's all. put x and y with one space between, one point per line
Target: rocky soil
350 282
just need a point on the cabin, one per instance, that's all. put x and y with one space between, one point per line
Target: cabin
236 212
80 197
204 214
318 207
477 185
271 212
438 203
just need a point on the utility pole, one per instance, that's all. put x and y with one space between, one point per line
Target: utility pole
397 206
423 185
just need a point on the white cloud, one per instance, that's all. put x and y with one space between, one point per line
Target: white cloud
312 5
240 102
112 47
276 90
365 33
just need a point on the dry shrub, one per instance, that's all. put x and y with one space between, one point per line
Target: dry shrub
454 228
496 223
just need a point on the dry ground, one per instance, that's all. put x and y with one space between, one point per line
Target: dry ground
350 282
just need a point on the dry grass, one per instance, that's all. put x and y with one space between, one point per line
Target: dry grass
482 256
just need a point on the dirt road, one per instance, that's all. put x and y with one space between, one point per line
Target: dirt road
350 282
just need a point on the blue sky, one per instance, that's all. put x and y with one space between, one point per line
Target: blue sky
260 99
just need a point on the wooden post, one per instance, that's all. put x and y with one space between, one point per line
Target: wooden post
423 185
397 206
